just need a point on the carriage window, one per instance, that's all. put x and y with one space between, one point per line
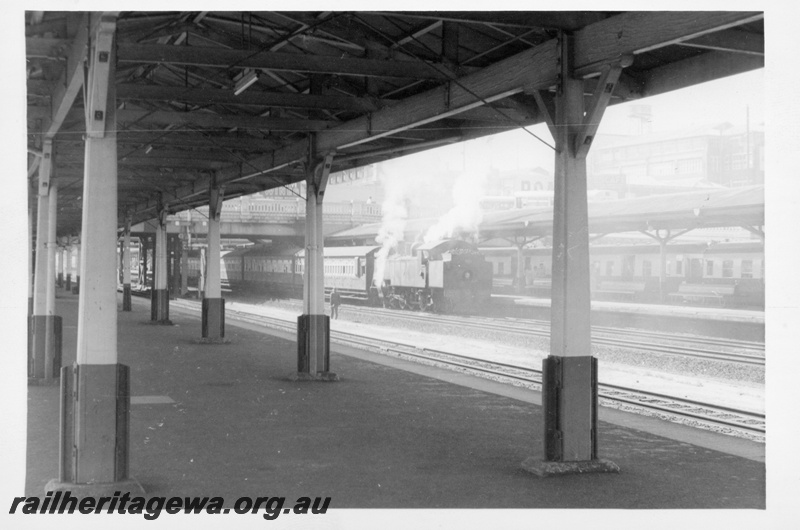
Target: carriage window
609 268
647 268
727 268
747 268
501 268
679 266
710 268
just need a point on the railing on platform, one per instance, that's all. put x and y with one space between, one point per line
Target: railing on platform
285 211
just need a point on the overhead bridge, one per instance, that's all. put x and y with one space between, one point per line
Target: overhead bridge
267 218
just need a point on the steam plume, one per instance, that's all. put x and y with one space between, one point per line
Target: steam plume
466 213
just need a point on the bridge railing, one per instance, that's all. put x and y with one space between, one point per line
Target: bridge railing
285 211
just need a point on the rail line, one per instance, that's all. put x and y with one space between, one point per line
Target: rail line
703 415
687 346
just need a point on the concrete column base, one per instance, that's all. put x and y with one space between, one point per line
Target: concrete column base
159 306
77 288
68 285
542 468
319 376
213 318
130 486
44 356
313 344
94 439
126 297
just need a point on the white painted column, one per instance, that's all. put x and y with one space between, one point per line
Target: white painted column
62 256
126 267
52 249
30 261
313 326
44 354
42 227
314 302
213 309
161 257
58 265
97 310
77 267
126 257
212 287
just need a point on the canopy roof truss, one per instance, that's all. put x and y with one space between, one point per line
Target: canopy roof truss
367 86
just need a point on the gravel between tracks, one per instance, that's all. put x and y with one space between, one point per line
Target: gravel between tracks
675 364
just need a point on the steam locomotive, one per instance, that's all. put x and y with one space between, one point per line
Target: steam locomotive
448 276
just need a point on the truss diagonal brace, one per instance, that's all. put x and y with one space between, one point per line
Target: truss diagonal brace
547 107
320 177
755 230
597 107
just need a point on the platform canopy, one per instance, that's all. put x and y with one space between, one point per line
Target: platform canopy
243 98
709 208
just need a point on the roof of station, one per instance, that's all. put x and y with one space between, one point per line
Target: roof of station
368 86
675 212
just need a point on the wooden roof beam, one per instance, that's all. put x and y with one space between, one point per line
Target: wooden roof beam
519 19
223 121
731 40
641 31
695 70
206 96
276 61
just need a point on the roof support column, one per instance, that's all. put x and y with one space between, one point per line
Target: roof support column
159 295
519 280
213 312
313 326
663 240
126 266
30 261
185 261
569 374
52 248
68 266
95 402
76 289
59 264
44 359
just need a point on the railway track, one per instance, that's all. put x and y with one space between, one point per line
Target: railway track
746 352
743 423
753 352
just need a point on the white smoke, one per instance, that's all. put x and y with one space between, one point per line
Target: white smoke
466 212
393 222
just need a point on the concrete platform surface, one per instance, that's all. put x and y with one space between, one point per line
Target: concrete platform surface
224 420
